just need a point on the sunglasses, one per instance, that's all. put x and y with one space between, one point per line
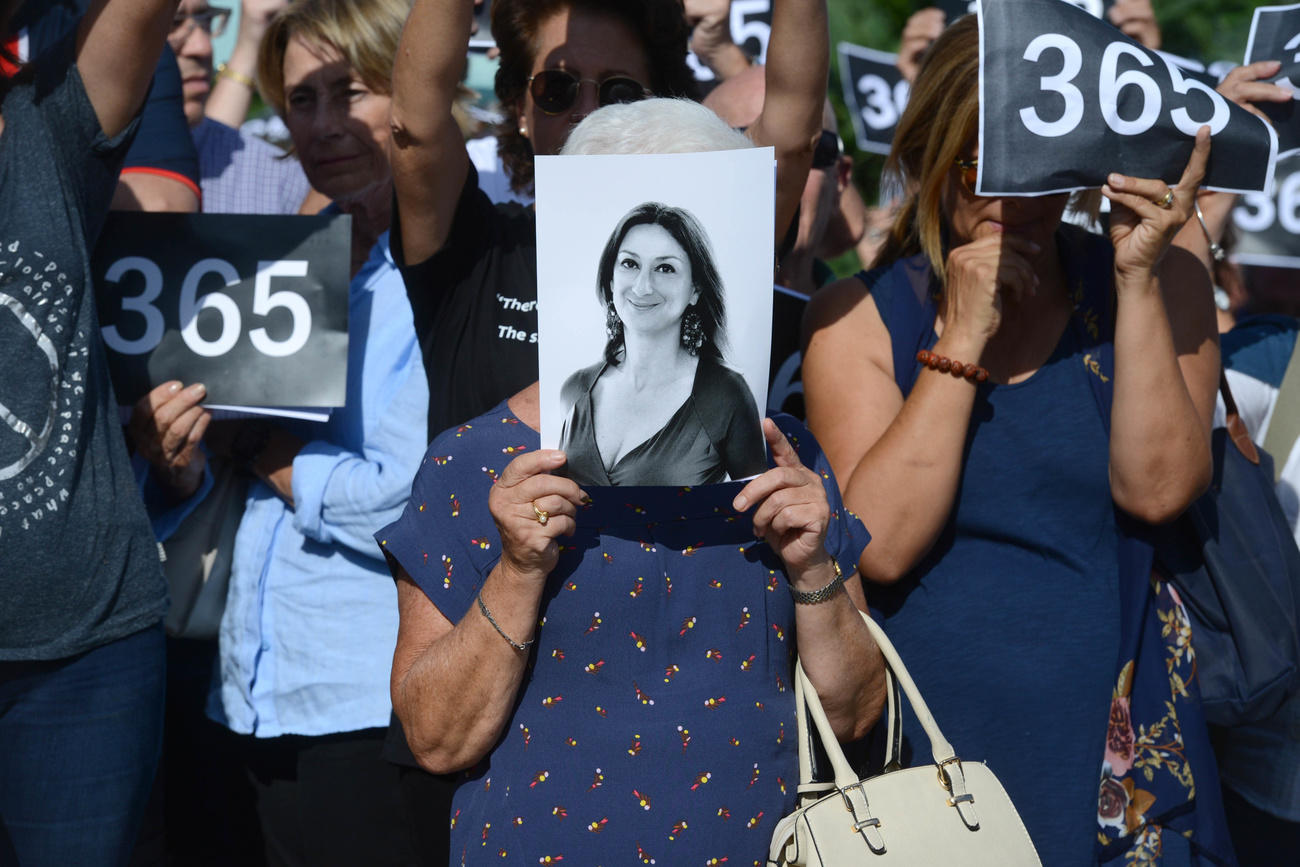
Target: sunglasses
827 151
970 170
211 20
555 91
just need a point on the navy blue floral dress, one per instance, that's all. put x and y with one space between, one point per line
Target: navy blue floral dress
656 722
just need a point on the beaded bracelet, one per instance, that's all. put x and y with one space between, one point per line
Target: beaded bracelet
943 364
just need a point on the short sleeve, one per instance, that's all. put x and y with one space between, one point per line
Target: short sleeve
846 536
445 538
89 159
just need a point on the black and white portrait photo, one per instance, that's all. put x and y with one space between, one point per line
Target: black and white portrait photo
654 314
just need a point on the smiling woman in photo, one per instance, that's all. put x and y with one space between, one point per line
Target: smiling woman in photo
661 407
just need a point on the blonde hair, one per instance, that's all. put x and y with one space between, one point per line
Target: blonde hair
364 32
940 121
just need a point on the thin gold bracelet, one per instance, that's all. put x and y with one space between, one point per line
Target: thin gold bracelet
236 76
490 619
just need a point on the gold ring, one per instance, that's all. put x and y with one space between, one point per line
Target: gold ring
1166 201
542 515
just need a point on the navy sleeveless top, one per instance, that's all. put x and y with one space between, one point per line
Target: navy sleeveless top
1011 624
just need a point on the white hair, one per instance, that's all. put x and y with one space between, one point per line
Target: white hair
653 126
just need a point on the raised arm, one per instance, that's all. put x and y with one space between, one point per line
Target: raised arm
118 45
1166 348
232 91
798 64
427 149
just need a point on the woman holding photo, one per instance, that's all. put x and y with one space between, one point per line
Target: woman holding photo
661 407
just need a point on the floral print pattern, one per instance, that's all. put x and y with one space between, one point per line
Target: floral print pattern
1145 760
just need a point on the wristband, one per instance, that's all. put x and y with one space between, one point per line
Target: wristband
814 597
224 71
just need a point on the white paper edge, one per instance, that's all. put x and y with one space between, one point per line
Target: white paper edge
234 411
1265 260
979 180
844 49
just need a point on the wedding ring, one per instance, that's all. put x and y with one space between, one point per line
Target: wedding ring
542 515
1166 201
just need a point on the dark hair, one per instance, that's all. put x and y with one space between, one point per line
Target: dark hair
660 24
686 231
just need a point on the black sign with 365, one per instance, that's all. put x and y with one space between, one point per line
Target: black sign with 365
256 308
1268 227
1066 99
875 92
1275 35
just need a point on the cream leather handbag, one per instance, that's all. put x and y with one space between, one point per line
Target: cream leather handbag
951 812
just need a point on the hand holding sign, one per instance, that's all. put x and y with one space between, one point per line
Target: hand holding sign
166 427
1147 214
1059 112
1275 35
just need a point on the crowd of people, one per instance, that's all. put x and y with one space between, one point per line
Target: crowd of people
442 643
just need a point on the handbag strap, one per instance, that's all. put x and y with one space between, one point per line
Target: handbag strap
1284 426
806 697
808 704
1234 425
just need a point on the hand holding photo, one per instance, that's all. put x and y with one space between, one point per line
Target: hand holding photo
657 379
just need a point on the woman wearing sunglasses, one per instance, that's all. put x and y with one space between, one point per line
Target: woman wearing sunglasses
469 265
1006 400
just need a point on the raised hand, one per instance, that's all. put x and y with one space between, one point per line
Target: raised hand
532 508
790 508
1136 20
921 29
1147 213
1245 85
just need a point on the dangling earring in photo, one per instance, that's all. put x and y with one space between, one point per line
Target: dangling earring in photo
692 331
613 325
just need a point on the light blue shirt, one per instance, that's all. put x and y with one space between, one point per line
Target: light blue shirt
311 618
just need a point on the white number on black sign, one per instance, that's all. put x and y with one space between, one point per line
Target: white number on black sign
881 105
191 305
1067 58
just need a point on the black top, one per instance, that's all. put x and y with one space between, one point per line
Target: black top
78 562
713 435
475 307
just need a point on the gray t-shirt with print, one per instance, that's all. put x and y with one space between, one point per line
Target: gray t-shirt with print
78 563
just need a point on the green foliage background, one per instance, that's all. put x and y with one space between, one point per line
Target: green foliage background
1206 30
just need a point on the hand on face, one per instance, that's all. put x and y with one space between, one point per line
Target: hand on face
981 274
790 508
1141 227
532 508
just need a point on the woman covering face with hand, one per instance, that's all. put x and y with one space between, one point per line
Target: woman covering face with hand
661 408
1009 402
